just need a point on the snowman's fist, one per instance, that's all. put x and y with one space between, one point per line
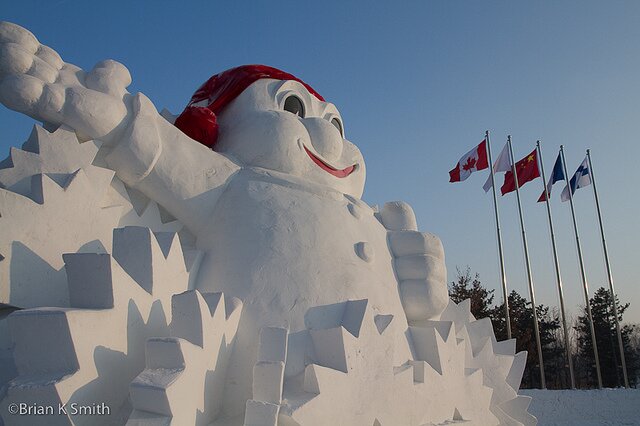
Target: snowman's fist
35 81
26 53
419 263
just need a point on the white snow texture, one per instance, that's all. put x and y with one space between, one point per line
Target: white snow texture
243 286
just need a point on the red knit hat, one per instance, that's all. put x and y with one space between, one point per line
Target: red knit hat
199 122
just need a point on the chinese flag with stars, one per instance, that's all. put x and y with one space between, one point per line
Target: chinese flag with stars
527 169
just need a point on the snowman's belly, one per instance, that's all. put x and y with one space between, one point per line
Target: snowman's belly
282 249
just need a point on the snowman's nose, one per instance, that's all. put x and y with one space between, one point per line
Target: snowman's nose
325 138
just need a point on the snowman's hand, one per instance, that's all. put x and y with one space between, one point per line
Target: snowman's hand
35 81
419 263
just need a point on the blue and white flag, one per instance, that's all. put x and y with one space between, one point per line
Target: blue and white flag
556 175
580 179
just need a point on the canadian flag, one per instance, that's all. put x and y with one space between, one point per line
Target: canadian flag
472 161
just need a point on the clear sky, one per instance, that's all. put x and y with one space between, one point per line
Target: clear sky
417 84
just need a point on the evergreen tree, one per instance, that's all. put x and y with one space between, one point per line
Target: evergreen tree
633 361
522 329
607 343
556 367
467 287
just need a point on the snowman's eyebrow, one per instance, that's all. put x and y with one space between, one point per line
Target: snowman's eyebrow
327 109
292 85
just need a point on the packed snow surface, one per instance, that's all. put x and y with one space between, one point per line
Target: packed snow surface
585 407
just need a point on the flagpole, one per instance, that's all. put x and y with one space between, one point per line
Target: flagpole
557 265
609 275
582 270
502 269
543 384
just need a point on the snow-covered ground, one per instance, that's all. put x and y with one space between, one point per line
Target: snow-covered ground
585 407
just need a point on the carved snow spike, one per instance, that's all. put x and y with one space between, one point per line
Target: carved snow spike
501 367
92 351
445 381
193 358
37 277
56 154
83 200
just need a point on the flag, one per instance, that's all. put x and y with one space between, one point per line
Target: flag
527 170
502 164
580 179
472 161
556 175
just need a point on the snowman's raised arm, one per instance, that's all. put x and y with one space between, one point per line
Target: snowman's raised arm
182 175
419 263
148 152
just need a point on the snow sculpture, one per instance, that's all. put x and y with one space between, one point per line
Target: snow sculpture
285 299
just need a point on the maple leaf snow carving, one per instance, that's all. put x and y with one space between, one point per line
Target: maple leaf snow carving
349 376
72 204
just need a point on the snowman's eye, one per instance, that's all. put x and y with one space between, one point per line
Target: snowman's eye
338 124
294 105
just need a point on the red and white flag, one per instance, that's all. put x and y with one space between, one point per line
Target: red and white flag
502 164
472 161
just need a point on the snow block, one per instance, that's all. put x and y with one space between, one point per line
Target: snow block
260 413
268 381
165 353
90 280
32 330
166 360
273 344
142 418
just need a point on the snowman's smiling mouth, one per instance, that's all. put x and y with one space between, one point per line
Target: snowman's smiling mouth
329 168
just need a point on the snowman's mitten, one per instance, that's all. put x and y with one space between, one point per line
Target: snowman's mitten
418 261
35 81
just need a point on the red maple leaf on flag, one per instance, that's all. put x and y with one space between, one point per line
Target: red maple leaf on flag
470 164
472 161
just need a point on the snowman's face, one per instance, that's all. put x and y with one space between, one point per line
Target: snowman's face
279 125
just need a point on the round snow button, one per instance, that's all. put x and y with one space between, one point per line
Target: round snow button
364 250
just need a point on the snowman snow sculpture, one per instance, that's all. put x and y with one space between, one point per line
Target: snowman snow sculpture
305 306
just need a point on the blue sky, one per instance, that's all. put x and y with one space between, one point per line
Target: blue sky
417 84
